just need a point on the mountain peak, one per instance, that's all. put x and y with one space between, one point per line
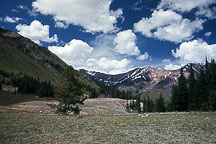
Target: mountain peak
143 79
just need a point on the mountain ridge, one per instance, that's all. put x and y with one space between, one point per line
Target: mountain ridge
142 80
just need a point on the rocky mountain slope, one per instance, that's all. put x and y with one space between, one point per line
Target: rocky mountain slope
142 80
21 55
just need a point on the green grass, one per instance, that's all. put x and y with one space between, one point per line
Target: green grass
158 128
156 93
8 98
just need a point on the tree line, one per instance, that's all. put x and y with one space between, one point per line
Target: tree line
148 105
28 85
197 93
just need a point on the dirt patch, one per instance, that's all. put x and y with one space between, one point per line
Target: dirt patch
99 106
105 106
29 107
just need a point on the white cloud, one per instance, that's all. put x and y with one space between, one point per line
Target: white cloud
207 34
166 60
37 32
23 7
82 56
30 12
125 43
93 16
75 53
12 19
206 12
145 56
172 67
168 25
195 52
184 5
60 24
111 66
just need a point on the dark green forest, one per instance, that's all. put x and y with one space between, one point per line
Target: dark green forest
197 93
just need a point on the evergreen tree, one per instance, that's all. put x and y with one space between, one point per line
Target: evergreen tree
182 92
175 102
202 91
152 105
130 104
138 108
144 104
191 90
212 100
0 86
207 73
160 104
133 104
213 75
68 94
148 105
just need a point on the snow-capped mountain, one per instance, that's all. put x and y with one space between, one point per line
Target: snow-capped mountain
142 79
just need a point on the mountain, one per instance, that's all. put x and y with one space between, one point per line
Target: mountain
21 55
143 80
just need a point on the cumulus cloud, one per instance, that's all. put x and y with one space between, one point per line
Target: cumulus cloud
111 66
93 16
184 5
168 25
82 56
195 52
37 32
12 19
172 67
207 34
125 43
75 53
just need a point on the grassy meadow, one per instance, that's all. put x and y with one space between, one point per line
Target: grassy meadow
194 127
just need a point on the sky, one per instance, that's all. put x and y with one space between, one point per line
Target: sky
115 36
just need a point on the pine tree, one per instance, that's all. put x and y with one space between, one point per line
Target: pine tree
182 92
148 105
0 86
212 100
160 104
202 91
191 90
152 105
175 104
68 94
138 108
133 104
207 73
144 104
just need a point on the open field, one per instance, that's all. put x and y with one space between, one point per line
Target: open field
25 121
155 128
9 98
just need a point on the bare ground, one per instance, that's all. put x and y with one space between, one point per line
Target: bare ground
99 106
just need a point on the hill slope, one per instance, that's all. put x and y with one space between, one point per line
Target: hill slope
20 55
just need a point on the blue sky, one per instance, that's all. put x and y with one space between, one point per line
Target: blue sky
114 36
